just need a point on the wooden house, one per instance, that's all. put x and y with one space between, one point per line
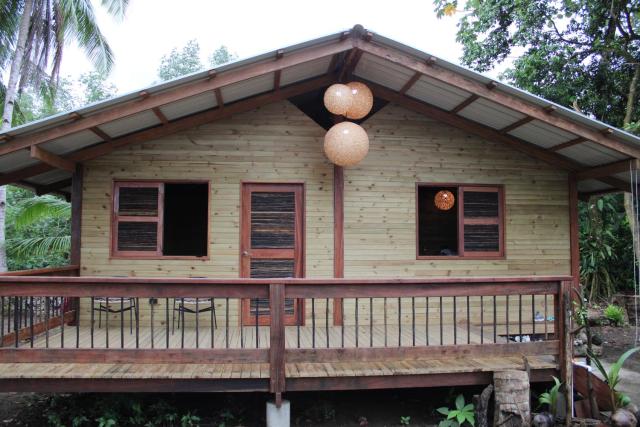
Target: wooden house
215 248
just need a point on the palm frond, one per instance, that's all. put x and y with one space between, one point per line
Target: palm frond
116 8
39 246
35 209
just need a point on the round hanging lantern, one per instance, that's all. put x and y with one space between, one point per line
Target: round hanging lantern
338 99
346 144
362 101
444 200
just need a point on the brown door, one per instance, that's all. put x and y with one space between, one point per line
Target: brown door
271 243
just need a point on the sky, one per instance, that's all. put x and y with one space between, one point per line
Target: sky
153 27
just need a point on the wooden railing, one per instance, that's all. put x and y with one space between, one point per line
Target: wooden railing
197 320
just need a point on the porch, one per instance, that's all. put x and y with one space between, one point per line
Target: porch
351 334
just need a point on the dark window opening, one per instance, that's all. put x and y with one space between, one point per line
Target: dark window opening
438 229
186 208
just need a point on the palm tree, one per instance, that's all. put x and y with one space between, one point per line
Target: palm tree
29 212
33 34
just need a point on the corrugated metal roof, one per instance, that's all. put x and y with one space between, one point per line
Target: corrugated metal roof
380 70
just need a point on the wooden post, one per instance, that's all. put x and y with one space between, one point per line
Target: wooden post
338 236
566 346
277 344
573 231
76 231
512 407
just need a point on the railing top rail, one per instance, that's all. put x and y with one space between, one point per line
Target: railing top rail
47 271
59 280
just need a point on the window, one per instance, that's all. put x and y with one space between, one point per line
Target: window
158 219
470 227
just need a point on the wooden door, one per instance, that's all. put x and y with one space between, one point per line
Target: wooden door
271 243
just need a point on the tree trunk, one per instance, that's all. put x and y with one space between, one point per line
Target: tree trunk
631 96
10 99
512 407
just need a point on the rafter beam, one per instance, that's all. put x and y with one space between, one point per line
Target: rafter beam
464 104
409 84
176 94
537 112
52 160
160 115
484 131
100 133
350 64
516 125
175 126
608 169
567 144
219 98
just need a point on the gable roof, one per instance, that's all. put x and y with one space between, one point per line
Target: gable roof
43 154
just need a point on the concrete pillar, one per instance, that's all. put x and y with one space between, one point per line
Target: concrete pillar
279 417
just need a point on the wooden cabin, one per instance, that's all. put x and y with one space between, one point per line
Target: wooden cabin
215 247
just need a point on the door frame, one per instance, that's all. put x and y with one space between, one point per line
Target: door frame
299 250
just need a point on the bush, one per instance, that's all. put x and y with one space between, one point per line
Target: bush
615 314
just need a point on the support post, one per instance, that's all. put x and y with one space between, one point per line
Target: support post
338 236
277 344
573 231
76 231
566 347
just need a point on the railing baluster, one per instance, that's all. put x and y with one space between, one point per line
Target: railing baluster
313 323
121 322
356 317
9 315
520 316
441 326
258 329
546 313
198 323
153 337
166 321
533 316
426 320
385 322
343 322
31 322
370 322
495 322
47 307
181 317
399 322
61 323
137 318
481 319
1 321
16 320
455 322
226 322
77 320
468 321
214 321
326 319
242 326
106 313
413 321
506 305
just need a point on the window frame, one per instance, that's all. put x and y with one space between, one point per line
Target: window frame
114 253
461 188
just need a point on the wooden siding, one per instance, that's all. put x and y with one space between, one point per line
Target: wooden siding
278 143
407 148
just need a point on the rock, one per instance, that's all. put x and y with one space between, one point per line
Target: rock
596 339
631 407
623 418
581 350
543 419
582 336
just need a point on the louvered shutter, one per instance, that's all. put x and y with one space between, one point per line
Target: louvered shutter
481 222
137 219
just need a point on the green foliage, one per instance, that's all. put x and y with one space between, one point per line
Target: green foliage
615 314
96 88
221 55
550 398
178 63
606 247
38 230
463 413
612 377
405 421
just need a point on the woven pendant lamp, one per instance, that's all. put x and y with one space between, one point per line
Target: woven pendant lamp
346 144
362 101
444 200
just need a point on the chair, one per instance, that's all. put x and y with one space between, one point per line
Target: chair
193 306
115 305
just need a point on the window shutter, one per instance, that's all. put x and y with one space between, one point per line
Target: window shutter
481 221
137 219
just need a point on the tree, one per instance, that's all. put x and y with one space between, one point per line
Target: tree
584 54
96 88
221 55
178 63
33 47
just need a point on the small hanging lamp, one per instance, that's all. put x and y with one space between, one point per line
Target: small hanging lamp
444 200
338 98
362 101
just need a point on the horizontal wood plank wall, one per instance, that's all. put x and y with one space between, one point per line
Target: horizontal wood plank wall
407 148
275 143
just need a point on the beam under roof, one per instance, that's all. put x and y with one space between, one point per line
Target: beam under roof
152 100
608 169
52 160
178 125
539 113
